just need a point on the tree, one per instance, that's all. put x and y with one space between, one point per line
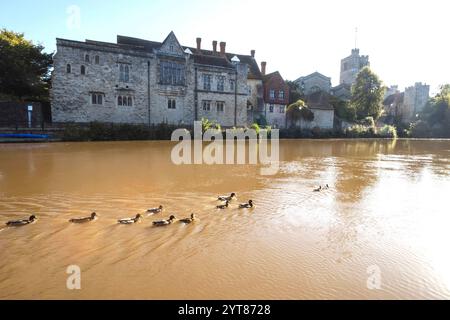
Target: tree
295 92
367 94
436 113
24 68
297 111
344 110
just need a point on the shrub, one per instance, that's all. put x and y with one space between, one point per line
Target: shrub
420 129
388 131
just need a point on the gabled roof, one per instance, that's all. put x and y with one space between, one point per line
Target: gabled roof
207 57
312 75
269 76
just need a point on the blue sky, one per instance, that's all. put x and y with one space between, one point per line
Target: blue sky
407 41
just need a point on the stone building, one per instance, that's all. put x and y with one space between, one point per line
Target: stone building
342 91
404 106
146 82
313 83
276 99
351 66
319 103
416 97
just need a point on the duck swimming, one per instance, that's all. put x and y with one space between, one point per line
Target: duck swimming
246 205
189 220
155 210
93 217
223 206
164 222
18 223
227 198
130 220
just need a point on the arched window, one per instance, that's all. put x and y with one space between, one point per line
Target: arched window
86 58
83 70
130 101
69 68
119 100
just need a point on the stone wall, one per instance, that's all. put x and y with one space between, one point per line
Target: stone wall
72 92
277 118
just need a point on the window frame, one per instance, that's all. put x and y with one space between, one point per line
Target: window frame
97 99
207 84
220 104
220 83
272 94
206 105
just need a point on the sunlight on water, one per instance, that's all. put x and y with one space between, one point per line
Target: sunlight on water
386 206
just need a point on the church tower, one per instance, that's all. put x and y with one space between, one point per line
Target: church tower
351 66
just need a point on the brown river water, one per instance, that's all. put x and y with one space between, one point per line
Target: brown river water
387 206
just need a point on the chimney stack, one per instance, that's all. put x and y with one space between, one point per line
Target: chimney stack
215 46
223 46
253 53
199 44
263 68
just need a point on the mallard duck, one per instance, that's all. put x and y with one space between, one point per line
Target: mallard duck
18 223
189 220
246 205
164 222
223 206
93 217
155 210
130 220
227 198
318 189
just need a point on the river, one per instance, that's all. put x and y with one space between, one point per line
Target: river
386 210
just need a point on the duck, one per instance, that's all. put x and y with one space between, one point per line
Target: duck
246 205
164 222
24 222
155 210
189 220
223 206
318 189
130 220
227 198
93 217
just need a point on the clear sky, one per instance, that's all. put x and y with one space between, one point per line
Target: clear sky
407 40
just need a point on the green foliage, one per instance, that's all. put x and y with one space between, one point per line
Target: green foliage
388 131
343 109
97 131
255 127
367 94
299 110
207 125
434 120
420 129
24 68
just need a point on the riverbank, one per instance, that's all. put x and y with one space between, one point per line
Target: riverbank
97 131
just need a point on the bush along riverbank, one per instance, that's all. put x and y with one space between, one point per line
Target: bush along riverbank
97 131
